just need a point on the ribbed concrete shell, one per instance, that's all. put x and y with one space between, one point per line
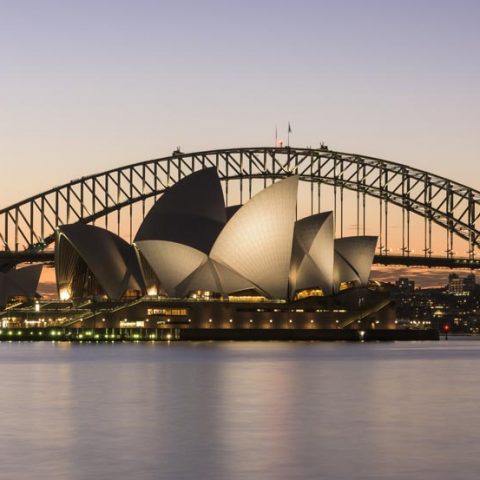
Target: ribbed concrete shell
111 261
312 254
214 277
20 282
257 241
190 212
182 269
187 243
353 259
170 261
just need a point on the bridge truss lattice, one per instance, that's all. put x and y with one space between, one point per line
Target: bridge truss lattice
121 196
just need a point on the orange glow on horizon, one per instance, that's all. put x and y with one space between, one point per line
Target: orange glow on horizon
424 277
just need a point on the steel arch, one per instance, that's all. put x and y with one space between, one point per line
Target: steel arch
438 200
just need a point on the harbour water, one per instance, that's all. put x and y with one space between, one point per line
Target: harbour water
240 410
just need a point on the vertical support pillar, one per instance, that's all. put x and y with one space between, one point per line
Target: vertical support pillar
241 178
107 199
385 206
144 173
250 172
364 201
341 210
265 169
5 238
42 218
68 203
82 204
94 198
380 187
227 174
16 229
381 223
358 200
311 184
118 201
130 207
31 223
471 225
335 195
386 226
319 184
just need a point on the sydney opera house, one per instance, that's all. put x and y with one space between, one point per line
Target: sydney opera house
19 285
199 265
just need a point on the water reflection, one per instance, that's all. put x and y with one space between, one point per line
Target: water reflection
239 410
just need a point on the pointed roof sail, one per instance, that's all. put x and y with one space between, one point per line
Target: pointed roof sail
214 277
257 241
191 212
170 261
181 269
111 259
19 282
312 254
353 259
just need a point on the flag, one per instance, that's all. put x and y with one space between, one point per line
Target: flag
289 128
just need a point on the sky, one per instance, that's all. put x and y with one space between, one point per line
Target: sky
91 85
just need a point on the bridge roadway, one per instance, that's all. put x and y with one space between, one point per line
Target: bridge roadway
10 259
431 262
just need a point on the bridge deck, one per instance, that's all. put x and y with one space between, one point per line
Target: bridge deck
422 261
9 259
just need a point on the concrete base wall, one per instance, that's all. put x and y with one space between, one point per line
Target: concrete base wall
211 334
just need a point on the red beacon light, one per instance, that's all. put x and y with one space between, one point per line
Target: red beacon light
446 329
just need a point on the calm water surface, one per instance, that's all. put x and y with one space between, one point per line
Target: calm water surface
240 411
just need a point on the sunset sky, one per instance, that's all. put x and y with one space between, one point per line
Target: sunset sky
92 85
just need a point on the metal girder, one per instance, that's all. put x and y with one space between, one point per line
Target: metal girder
10 259
29 225
423 261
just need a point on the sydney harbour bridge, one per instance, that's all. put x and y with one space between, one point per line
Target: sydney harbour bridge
421 219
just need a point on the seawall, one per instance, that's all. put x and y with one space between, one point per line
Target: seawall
220 334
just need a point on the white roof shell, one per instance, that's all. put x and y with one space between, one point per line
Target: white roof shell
182 269
111 260
260 247
172 262
190 212
257 241
312 254
214 277
353 259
